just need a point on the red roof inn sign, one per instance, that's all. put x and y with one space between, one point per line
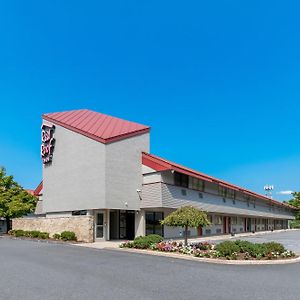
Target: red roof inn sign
48 142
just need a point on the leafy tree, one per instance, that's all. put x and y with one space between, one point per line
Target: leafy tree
14 200
186 216
296 203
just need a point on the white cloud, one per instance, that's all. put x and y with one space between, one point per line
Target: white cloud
285 192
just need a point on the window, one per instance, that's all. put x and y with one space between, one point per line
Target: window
230 194
200 195
79 213
218 220
222 191
233 201
197 184
183 192
153 225
210 219
181 180
234 220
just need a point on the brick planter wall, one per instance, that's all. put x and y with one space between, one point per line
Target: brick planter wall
83 226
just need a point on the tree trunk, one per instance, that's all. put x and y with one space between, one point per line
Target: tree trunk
185 235
7 224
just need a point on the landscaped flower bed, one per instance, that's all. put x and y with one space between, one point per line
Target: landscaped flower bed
231 250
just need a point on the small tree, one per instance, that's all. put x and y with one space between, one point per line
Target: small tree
187 216
14 200
296 203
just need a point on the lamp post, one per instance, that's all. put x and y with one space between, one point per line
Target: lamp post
268 189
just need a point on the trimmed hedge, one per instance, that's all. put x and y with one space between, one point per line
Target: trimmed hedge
56 236
68 236
31 234
65 235
231 249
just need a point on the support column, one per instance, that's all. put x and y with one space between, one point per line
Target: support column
107 234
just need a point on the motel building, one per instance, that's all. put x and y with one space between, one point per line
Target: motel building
99 168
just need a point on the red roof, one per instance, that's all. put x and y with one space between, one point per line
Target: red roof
159 164
97 126
38 189
31 192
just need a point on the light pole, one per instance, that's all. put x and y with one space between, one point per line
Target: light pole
268 189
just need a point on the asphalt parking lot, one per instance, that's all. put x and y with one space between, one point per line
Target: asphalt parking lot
41 270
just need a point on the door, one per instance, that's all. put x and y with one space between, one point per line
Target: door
127 224
130 230
229 224
200 231
248 224
224 224
99 225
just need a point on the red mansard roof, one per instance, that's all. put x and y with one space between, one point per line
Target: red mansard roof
97 126
159 164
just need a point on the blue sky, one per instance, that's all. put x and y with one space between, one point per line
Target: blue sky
218 81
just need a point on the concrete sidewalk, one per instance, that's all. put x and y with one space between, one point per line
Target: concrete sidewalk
212 239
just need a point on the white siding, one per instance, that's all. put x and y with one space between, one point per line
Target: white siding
171 197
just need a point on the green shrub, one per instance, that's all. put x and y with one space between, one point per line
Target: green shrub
244 246
274 247
34 233
28 233
19 233
141 242
43 235
56 236
295 224
144 242
68 236
154 238
227 248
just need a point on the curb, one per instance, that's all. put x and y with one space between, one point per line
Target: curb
209 260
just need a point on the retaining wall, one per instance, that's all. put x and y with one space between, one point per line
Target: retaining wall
83 226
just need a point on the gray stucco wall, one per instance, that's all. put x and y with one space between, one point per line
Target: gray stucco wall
75 180
124 172
86 174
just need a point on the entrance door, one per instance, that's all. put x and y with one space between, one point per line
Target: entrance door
200 231
130 218
248 225
229 224
127 224
224 225
99 225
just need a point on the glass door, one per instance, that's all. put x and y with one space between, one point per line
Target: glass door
99 225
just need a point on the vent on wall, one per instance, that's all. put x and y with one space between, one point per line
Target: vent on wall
183 192
219 230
